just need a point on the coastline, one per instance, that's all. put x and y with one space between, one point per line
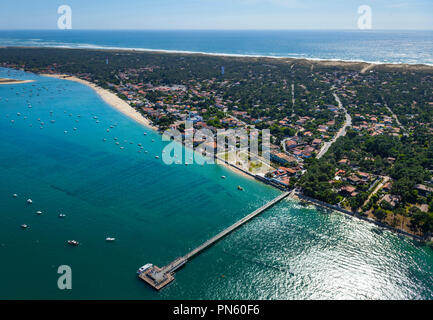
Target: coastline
13 81
117 103
110 98
310 60
122 106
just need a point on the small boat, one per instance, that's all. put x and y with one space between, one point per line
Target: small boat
73 243
66 131
62 215
156 157
38 213
110 239
15 195
29 201
223 177
145 134
240 188
144 268
24 226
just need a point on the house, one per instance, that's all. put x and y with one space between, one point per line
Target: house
291 144
387 187
354 180
316 142
340 173
344 161
364 176
391 199
281 158
348 191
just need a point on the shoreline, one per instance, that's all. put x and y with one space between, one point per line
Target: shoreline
14 81
122 106
110 98
327 61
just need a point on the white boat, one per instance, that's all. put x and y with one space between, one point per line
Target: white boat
144 268
110 239
38 213
223 177
73 243
29 201
62 215
24 226
156 157
15 195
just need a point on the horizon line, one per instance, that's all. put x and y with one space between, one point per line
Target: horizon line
181 29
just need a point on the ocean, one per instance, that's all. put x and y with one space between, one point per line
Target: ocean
412 47
159 212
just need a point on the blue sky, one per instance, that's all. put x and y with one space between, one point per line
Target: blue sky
216 14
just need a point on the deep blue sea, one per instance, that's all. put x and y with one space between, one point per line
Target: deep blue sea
411 47
158 212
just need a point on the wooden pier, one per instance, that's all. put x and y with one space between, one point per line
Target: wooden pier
158 278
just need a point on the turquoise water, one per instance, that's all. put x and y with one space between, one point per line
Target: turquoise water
159 212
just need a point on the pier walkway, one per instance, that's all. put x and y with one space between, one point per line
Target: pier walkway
160 277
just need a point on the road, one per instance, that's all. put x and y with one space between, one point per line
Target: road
340 133
376 190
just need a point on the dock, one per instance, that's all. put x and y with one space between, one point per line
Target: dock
158 278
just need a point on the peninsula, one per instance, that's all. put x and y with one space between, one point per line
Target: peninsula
352 135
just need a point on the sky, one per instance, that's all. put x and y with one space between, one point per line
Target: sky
216 14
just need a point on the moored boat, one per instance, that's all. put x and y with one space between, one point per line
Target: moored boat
144 268
73 243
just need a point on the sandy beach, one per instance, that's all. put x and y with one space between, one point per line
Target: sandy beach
110 98
114 101
13 81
